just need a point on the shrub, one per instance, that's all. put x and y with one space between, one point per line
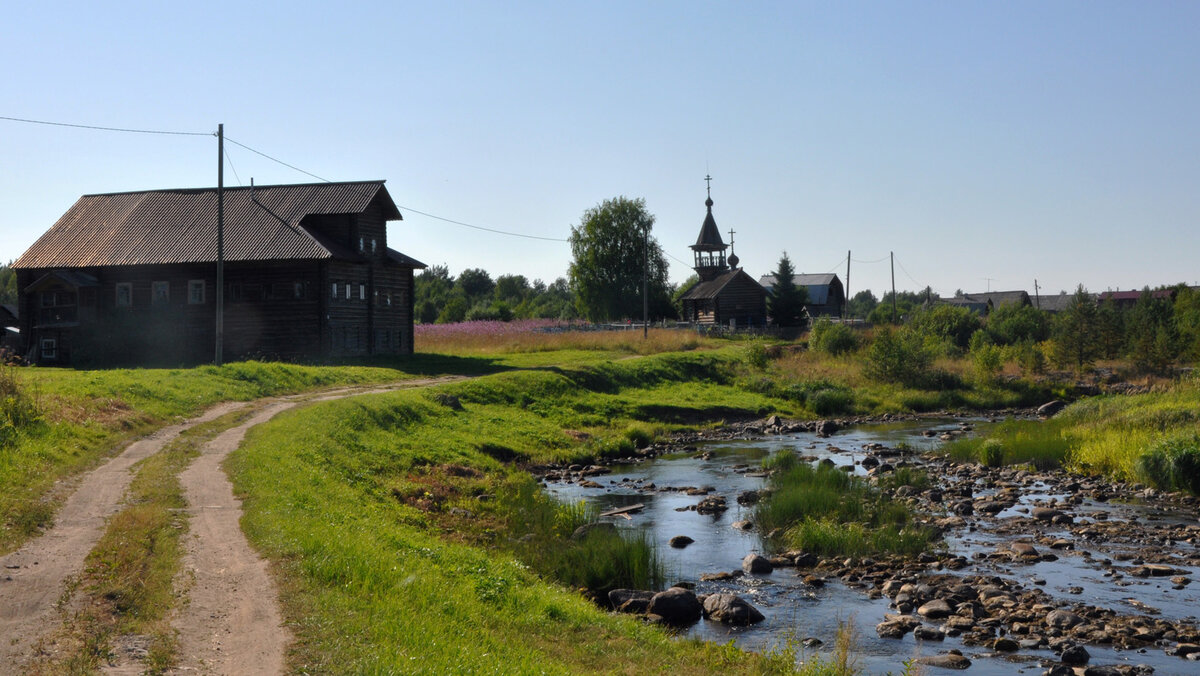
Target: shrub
898 356
831 401
1173 463
991 453
830 338
1031 358
987 360
756 355
946 323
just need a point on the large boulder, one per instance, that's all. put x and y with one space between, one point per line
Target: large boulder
1062 619
826 428
949 661
730 609
756 564
935 609
676 606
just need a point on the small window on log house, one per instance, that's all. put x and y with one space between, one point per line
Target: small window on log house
124 294
160 293
298 290
333 291
362 291
195 292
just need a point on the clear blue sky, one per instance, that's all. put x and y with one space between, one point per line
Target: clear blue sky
1009 140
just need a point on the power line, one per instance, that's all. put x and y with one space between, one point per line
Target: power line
908 275
98 128
277 160
878 260
229 159
480 227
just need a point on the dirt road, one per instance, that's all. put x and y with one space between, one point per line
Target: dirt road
230 622
33 577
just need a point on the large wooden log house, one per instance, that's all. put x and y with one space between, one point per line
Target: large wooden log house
130 278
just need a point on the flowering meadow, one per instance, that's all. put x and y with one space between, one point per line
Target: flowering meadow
540 335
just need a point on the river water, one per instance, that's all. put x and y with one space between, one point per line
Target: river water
795 612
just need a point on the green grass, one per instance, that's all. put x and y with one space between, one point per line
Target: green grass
826 511
83 417
1042 444
1149 437
394 541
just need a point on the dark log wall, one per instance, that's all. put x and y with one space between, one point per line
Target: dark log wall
272 308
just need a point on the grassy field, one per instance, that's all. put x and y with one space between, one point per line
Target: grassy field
405 536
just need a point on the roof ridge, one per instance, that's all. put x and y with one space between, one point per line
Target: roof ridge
231 188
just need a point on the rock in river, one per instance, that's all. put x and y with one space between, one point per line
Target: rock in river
949 661
935 609
681 541
730 609
676 606
756 564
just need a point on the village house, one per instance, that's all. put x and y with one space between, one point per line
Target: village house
725 295
131 277
826 295
984 303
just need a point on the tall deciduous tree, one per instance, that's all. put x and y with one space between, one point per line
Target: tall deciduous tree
608 247
786 303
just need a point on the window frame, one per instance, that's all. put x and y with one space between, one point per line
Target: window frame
158 286
49 348
192 287
127 287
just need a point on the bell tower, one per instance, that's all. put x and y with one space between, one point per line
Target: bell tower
709 249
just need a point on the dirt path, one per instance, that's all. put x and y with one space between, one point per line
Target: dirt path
33 578
231 623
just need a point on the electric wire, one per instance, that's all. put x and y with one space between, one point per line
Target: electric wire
229 159
910 277
277 160
126 130
480 227
878 260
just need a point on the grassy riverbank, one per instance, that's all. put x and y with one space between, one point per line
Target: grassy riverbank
401 532
1152 438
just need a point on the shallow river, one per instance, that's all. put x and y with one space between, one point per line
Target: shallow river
796 612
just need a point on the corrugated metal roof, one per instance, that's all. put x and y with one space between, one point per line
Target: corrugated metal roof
180 226
817 285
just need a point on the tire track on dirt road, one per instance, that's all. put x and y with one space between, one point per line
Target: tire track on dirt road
34 577
231 622
241 631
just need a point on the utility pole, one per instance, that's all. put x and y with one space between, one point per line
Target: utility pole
1037 295
646 281
219 357
895 313
846 299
